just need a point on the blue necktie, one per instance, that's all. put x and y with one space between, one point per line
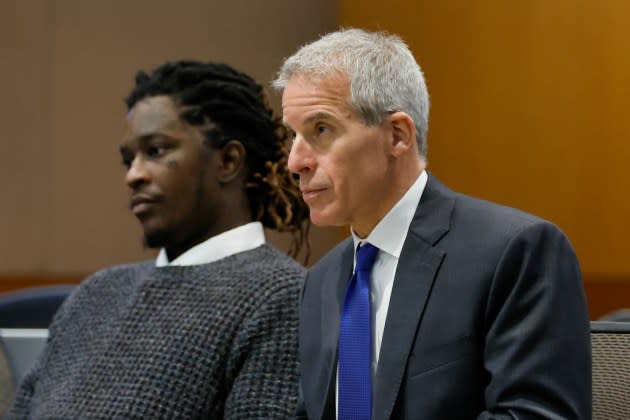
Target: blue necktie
355 342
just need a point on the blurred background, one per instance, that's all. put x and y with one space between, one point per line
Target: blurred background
529 103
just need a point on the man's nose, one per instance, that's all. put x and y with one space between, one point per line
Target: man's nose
301 157
137 173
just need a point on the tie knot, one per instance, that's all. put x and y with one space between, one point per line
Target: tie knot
366 254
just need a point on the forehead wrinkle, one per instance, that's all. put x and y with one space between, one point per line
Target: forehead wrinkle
323 107
319 116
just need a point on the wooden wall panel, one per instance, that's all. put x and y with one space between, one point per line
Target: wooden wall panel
99 47
67 66
606 294
25 80
529 108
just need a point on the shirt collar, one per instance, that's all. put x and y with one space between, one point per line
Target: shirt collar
240 239
390 233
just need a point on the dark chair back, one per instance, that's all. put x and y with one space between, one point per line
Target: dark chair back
620 315
32 307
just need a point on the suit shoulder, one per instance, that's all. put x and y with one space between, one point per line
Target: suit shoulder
474 219
487 223
486 212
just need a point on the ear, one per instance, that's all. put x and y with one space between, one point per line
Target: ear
232 156
403 134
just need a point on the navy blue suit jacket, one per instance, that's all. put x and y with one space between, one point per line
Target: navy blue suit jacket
487 320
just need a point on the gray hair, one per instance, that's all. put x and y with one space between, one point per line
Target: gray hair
383 74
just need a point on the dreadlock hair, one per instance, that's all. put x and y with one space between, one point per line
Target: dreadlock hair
229 105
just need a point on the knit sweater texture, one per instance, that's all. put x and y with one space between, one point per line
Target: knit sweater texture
216 340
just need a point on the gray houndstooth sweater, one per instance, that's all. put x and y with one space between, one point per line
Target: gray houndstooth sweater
215 340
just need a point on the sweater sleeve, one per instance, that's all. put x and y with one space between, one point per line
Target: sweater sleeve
23 395
68 318
266 367
22 404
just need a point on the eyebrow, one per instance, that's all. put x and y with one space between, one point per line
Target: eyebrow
321 115
141 139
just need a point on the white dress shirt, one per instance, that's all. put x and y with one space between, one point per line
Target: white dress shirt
388 236
240 239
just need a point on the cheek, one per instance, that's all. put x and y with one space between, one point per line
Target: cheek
357 170
182 191
354 164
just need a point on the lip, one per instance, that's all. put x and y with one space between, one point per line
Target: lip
311 193
141 203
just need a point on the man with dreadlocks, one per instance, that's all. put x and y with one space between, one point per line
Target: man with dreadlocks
209 330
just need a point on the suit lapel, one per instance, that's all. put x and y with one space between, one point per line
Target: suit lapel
333 293
417 268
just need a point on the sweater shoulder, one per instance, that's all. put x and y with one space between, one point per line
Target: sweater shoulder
118 275
262 265
110 281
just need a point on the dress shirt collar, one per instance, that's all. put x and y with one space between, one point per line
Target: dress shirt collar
239 239
390 233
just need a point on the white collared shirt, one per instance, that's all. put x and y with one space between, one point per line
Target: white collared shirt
240 239
388 236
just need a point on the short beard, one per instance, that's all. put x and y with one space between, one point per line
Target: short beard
158 239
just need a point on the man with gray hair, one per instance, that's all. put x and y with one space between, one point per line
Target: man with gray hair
439 305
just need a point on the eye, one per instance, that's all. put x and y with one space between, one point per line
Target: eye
321 129
155 151
126 159
292 134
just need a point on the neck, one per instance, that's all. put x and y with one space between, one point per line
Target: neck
229 217
175 250
404 179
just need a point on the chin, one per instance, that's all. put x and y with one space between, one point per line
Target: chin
156 238
322 219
